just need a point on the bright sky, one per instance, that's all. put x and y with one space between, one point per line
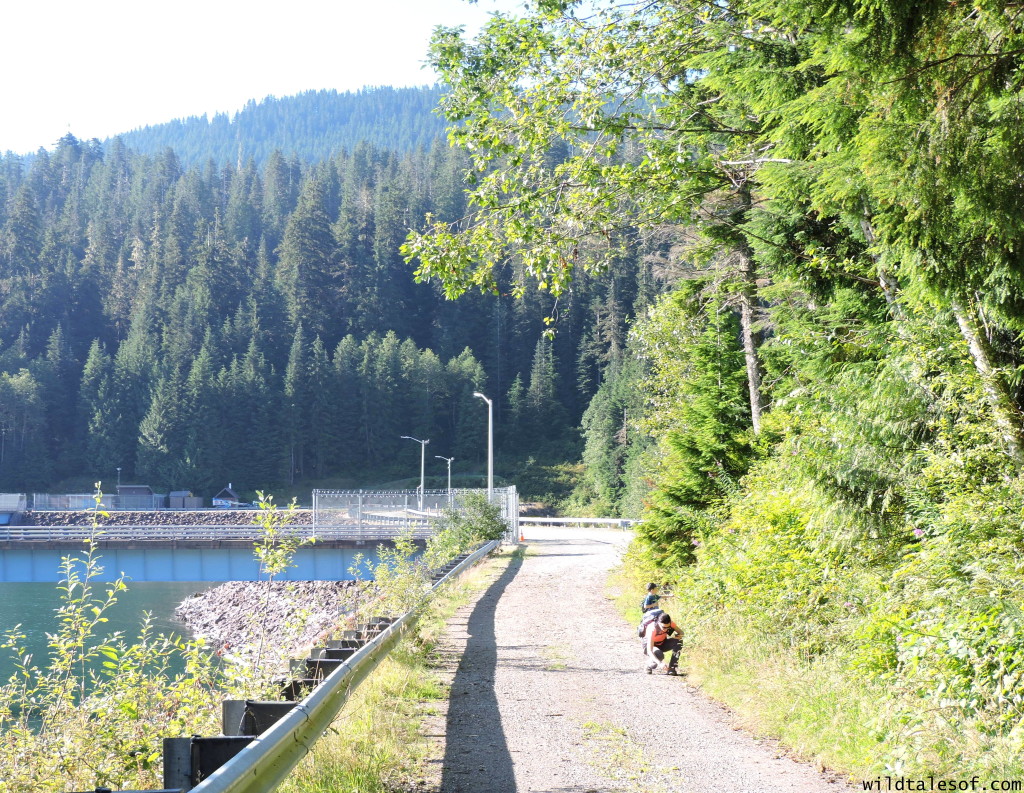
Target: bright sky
108 66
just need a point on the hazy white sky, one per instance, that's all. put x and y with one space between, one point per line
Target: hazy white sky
108 66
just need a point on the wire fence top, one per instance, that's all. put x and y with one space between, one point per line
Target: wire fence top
361 508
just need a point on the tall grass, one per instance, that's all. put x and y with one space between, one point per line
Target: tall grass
812 706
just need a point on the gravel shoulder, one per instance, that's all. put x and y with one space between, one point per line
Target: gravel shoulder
548 694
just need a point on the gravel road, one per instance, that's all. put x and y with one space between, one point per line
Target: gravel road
548 694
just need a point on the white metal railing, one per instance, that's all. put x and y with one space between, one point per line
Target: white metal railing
265 762
337 515
622 523
379 529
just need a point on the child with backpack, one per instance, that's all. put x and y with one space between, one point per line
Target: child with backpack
651 601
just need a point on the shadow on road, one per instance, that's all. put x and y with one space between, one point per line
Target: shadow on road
477 756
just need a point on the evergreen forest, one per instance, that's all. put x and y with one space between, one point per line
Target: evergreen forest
195 325
313 125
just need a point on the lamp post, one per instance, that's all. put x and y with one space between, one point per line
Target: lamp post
449 461
423 461
490 444
118 476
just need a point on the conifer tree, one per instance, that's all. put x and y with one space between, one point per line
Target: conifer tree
544 416
305 274
159 458
699 388
57 376
346 362
323 399
96 435
609 424
24 462
294 406
467 422
205 442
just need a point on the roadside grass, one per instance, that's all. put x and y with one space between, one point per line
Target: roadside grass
814 708
621 587
374 741
376 744
842 721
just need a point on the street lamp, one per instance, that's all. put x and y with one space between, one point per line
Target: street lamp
490 444
423 461
449 461
119 476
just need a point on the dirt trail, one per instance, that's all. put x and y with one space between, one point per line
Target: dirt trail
548 694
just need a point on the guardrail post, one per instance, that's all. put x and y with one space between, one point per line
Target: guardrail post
178 763
251 717
188 761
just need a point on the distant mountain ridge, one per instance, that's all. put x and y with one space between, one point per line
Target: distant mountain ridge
313 125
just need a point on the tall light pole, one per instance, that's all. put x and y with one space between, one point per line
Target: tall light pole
490 444
423 462
449 461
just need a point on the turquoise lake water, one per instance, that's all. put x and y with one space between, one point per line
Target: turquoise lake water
33 607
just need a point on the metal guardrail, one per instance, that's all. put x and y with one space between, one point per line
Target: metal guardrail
264 763
622 523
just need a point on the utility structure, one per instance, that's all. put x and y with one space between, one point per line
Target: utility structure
423 463
490 444
449 461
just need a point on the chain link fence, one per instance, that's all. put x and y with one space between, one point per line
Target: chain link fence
369 513
140 502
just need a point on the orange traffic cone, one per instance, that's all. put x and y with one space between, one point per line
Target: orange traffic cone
522 538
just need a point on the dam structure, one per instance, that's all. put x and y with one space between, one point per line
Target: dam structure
339 538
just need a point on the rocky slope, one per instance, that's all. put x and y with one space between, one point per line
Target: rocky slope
289 616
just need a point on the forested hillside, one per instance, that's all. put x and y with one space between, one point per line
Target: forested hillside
195 325
313 126
828 403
